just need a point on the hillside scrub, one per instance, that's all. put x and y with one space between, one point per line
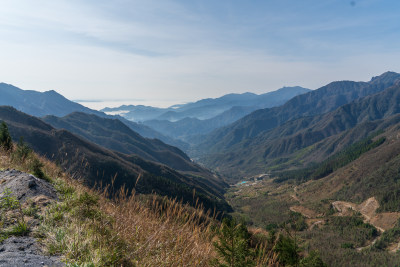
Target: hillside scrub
89 227
86 227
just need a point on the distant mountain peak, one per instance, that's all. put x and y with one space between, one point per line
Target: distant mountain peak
52 92
389 76
39 103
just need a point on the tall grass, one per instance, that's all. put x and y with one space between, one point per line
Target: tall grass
88 226
147 231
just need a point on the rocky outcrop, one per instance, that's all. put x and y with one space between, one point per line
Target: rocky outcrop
25 250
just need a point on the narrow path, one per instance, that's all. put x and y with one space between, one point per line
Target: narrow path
370 245
294 196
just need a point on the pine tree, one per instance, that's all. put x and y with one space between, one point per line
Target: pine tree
287 250
233 245
5 137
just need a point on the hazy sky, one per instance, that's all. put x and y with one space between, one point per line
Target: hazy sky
184 50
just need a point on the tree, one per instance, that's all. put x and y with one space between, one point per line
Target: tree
233 245
288 251
5 137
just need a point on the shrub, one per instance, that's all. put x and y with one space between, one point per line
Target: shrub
347 245
312 260
36 167
22 151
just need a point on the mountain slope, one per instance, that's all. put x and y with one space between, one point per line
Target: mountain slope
352 212
115 135
292 144
39 104
99 166
320 101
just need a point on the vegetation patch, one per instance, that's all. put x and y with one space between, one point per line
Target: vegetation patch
328 166
12 219
388 237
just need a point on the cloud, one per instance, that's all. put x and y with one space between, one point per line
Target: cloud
187 50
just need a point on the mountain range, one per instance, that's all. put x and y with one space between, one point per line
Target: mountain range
186 122
206 108
52 103
266 138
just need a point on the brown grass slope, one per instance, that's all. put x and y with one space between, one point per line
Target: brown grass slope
84 227
90 227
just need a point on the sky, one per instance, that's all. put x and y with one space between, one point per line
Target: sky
173 51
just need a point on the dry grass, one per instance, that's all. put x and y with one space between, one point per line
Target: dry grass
152 232
163 233
86 227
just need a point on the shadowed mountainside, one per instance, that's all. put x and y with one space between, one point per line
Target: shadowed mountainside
97 165
115 135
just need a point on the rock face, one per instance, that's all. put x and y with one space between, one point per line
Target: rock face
25 186
25 251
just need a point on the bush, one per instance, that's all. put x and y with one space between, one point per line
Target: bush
312 260
22 151
297 221
37 166
347 245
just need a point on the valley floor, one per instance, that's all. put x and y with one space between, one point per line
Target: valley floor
342 231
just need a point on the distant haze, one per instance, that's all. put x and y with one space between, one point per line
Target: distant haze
100 104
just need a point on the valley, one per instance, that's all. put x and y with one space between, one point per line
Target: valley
321 166
200 133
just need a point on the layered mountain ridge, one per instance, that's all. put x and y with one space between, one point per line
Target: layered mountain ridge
261 140
52 103
99 166
115 135
188 122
